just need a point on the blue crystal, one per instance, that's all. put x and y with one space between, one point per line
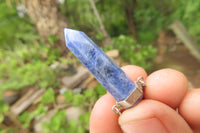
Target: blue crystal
99 64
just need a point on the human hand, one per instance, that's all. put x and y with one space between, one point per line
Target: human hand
166 91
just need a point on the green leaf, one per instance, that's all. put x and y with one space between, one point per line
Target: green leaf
100 90
84 119
48 96
27 117
68 96
56 122
4 107
78 100
89 93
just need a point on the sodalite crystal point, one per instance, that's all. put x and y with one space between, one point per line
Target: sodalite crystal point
99 64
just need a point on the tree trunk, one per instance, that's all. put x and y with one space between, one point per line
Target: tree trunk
48 19
107 39
129 13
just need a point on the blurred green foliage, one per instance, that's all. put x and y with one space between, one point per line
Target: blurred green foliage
58 122
84 19
149 21
153 15
133 52
83 100
48 96
15 30
189 13
26 117
27 65
4 108
88 96
150 17
24 59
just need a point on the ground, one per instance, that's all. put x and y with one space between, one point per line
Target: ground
180 59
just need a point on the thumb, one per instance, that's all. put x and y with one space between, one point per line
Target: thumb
152 117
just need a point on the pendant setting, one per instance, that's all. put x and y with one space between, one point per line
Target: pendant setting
132 99
126 92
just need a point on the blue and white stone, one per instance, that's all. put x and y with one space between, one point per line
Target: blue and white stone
99 64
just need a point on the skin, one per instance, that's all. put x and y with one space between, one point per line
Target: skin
167 107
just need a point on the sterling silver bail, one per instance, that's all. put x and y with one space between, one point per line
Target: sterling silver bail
135 96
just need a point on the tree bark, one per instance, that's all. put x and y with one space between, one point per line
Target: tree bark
107 39
181 32
48 19
129 13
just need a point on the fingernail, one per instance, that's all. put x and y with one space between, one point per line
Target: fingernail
152 125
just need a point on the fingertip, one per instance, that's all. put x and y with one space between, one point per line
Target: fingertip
152 116
166 85
103 119
134 72
189 108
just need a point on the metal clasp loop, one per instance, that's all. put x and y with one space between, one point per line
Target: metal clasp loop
140 81
116 109
132 99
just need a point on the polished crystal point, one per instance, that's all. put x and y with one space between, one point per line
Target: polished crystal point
99 64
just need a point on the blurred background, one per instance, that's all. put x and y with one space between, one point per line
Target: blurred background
44 88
